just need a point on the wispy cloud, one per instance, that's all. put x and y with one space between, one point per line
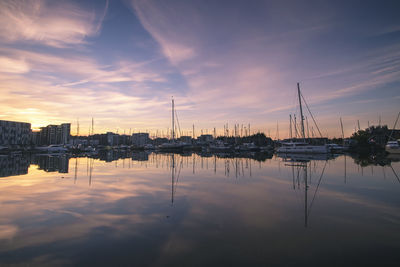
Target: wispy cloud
236 62
51 23
13 65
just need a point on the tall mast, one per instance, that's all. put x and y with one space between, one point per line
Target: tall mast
173 121
341 125
301 113
77 126
277 130
394 126
291 136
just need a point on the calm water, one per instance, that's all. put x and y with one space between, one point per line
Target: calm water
192 210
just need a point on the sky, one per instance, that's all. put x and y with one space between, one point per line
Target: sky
224 62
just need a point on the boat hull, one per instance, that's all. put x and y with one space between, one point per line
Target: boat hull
304 150
393 150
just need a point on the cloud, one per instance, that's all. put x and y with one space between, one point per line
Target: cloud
49 23
159 19
236 63
58 88
12 65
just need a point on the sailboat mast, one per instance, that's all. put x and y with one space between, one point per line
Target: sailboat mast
173 122
341 125
291 136
394 126
301 113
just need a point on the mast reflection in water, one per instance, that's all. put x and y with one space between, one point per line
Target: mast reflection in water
123 208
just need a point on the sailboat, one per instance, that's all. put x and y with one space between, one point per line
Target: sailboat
302 147
173 145
393 146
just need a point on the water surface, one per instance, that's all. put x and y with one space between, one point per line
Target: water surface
149 209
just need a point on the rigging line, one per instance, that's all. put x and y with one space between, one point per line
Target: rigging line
177 120
295 128
394 127
316 189
312 116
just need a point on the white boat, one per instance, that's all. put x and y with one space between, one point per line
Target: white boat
393 147
148 147
53 149
247 147
220 146
304 157
300 147
173 146
335 148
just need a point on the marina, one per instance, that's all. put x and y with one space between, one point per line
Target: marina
199 133
207 209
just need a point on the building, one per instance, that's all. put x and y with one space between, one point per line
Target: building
140 139
110 138
158 141
54 134
205 138
64 133
185 139
124 139
14 133
35 137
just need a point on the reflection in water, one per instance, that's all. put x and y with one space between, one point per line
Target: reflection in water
303 169
194 209
13 165
51 163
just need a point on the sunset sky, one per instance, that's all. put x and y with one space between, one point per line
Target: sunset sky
223 61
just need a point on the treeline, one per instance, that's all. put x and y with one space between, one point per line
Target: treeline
258 139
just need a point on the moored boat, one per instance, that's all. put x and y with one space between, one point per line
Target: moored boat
393 147
300 147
